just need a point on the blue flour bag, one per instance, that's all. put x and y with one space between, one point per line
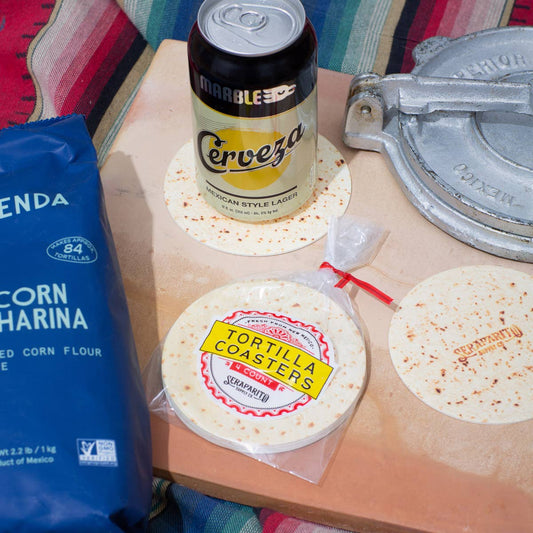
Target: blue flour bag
75 452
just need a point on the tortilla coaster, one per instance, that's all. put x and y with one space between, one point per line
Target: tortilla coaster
303 227
263 366
462 341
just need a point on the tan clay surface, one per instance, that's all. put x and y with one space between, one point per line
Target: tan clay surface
401 465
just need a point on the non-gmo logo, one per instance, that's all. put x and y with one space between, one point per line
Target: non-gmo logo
97 452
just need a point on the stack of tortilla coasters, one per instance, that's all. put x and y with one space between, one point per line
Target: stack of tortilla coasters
309 223
264 366
462 341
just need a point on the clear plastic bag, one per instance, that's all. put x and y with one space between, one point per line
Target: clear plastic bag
270 366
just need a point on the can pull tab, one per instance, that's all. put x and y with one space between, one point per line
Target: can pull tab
247 19
372 96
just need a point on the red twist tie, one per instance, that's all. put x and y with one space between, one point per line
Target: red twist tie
347 277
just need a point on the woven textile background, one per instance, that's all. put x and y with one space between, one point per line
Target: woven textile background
89 56
354 35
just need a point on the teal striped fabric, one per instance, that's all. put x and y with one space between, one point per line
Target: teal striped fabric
353 35
359 49
177 509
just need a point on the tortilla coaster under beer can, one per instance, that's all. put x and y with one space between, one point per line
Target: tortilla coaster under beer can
263 366
305 226
253 72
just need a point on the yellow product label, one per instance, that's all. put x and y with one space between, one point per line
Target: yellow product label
257 168
284 362
247 159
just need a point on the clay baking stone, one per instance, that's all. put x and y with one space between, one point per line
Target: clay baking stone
265 423
462 341
308 224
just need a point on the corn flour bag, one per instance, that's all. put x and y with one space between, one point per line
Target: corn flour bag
74 436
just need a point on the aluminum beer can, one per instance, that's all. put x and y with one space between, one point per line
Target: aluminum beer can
253 72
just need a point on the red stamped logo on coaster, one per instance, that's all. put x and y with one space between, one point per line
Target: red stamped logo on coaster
262 364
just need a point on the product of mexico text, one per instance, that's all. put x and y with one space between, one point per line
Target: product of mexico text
253 71
75 450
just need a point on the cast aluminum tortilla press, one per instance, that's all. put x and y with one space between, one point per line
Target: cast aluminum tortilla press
458 134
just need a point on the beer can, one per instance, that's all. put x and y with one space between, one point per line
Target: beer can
253 72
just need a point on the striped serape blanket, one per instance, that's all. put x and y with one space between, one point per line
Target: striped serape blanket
89 56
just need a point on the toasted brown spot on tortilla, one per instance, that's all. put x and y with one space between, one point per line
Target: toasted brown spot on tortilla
476 321
329 199
227 427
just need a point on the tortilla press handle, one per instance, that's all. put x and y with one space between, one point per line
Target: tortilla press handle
372 98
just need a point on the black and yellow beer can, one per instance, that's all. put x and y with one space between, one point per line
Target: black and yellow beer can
253 73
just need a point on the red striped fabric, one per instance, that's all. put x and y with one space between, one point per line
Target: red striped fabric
275 522
460 27
416 32
84 67
422 19
435 20
19 23
107 56
270 520
522 13
65 47
449 16
64 56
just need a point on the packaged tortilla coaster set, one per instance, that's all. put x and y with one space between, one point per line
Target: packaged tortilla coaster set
272 367
75 453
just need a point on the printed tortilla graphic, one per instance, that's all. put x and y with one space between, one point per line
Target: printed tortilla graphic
462 341
263 366
303 227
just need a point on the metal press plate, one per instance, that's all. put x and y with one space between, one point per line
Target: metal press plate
481 163
470 173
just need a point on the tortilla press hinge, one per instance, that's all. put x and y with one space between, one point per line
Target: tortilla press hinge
459 147
372 98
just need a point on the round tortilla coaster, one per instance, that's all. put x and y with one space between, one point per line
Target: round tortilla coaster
303 227
244 399
462 341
